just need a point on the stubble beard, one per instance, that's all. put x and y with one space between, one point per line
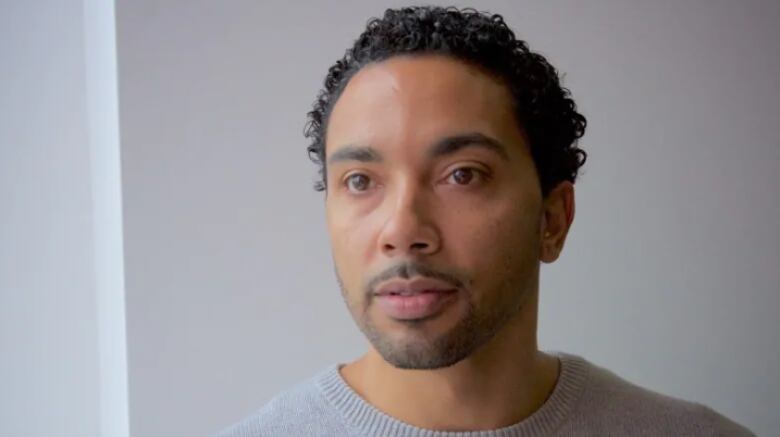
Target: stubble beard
413 349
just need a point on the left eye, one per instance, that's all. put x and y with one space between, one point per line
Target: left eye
463 175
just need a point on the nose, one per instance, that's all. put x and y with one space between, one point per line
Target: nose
408 229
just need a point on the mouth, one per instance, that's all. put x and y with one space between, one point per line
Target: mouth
410 305
407 292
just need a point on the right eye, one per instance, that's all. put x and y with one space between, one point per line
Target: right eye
357 182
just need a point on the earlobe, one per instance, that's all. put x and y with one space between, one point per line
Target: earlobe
544 254
547 252
544 241
556 221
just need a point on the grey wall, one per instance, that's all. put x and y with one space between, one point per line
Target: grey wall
63 366
669 276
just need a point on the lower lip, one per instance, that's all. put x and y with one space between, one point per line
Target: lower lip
417 306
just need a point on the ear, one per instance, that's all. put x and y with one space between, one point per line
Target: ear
557 216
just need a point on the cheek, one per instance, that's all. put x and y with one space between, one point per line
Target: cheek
494 239
350 245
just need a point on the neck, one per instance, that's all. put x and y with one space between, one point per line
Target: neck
502 383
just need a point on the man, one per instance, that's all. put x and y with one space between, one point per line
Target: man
447 153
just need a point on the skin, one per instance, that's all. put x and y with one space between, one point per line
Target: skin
475 215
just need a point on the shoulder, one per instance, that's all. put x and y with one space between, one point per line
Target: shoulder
623 407
301 409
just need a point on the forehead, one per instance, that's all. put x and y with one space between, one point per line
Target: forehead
416 99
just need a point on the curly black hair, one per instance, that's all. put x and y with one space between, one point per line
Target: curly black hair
544 109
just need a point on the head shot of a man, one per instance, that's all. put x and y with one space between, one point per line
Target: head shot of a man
447 153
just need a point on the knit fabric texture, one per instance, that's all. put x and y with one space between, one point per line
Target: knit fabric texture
587 400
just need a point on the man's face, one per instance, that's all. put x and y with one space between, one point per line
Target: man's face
431 192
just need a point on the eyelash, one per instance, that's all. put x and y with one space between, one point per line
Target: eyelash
480 174
476 172
345 182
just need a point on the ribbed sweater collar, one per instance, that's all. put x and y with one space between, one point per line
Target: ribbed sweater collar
372 422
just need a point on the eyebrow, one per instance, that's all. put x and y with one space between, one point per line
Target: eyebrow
355 153
445 146
450 145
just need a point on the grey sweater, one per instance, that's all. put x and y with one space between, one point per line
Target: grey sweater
587 400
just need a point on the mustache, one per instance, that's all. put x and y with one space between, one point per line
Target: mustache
408 270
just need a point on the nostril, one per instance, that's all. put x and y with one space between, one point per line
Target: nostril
413 247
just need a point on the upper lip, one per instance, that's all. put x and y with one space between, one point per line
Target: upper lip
414 286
